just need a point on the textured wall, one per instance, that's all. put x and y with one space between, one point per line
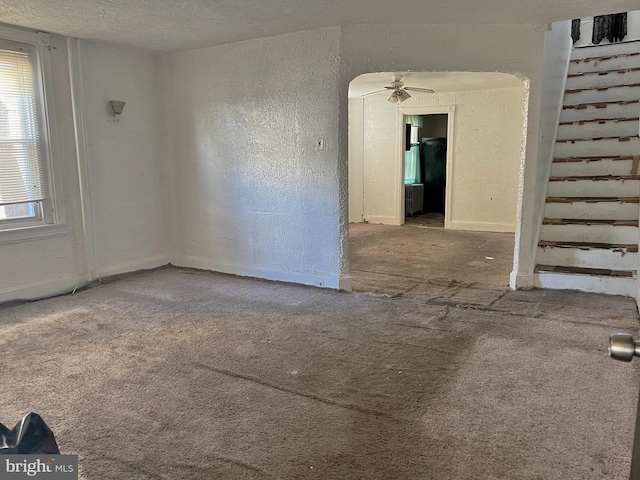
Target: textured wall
124 164
486 156
42 265
251 194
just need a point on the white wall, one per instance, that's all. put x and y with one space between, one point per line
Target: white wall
486 147
118 166
586 30
533 186
251 194
124 164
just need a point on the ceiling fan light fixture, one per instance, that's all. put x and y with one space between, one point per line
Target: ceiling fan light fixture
394 98
403 95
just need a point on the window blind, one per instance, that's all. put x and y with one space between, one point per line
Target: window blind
21 172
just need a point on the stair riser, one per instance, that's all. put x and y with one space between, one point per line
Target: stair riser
591 113
593 211
588 283
599 167
597 147
593 258
594 188
594 130
600 65
605 48
612 78
608 95
590 233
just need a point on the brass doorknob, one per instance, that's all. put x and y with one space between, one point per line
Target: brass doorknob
623 347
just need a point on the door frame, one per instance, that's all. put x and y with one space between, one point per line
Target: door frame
449 110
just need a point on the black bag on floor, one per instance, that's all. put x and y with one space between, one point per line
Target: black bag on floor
30 436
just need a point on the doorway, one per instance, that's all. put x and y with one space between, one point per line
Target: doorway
425 161
425 169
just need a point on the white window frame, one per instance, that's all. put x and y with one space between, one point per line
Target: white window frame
53 221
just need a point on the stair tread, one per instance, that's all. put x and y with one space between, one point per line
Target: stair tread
604 57
601 88
602 121
592 159
595 139
593 199
580 106
629 247
573 178
585 271
604 72
589 221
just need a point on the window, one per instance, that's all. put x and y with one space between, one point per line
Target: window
26 182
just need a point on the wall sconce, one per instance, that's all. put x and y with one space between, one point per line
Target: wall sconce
115 109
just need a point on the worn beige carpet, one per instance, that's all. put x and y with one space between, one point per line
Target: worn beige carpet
177 374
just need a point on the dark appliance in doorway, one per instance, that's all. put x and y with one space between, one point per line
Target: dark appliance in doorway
433 164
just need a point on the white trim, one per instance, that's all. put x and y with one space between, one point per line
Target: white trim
398 218
482 226
225 266
38 232
53 204
17 35
381 220
50 137
135 265
449 110
77 106
37 290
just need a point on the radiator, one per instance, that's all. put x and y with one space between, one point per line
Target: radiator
413 198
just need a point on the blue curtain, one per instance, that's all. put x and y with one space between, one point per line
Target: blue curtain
412 156
412 165
414 120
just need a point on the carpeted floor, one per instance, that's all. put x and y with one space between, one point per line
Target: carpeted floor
392 259
178 374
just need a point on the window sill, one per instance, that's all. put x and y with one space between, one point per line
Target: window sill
37 232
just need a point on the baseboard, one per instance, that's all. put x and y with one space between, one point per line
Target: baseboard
520 281
304 278
381 220
142 264
345 283
36 290
483 227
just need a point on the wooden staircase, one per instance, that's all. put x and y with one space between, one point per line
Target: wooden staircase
589 236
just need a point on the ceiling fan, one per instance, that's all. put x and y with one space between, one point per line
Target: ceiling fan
399 93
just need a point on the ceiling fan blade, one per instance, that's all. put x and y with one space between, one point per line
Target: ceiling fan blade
373 93
418 89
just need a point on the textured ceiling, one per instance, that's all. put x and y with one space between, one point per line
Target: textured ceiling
159 26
